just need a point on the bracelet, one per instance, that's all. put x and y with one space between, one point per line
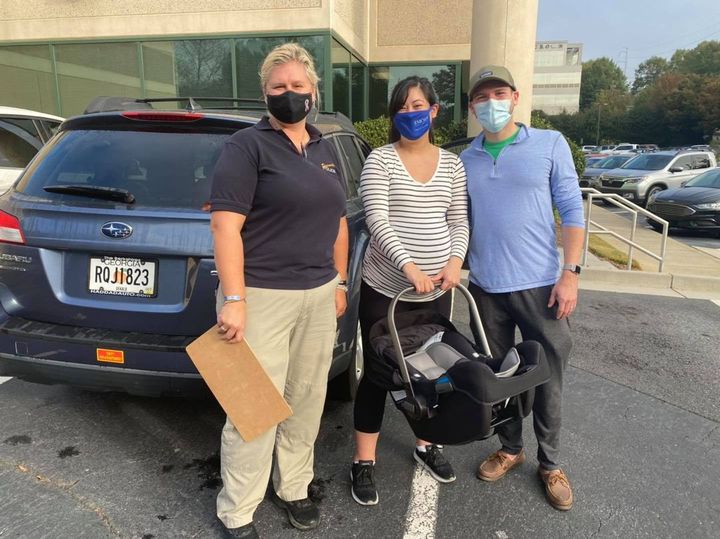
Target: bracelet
233 299
342 285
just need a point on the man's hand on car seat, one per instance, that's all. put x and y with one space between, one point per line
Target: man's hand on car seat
449 276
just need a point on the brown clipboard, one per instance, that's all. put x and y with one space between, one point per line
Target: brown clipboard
239 383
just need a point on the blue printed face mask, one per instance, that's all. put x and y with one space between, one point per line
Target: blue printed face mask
414 124
493 114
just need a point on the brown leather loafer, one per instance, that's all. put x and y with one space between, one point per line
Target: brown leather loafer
498 464
557 489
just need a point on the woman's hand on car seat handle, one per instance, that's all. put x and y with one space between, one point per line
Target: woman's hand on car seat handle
422 282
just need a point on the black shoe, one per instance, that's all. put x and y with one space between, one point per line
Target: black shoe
362 475
435 463
247 531
303 514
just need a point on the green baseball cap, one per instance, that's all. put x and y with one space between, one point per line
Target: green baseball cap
490 73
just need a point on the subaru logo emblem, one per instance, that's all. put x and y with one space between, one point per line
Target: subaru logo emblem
116 230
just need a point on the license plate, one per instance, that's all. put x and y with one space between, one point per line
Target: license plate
122 276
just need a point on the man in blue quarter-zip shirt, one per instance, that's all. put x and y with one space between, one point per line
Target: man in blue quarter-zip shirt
515 175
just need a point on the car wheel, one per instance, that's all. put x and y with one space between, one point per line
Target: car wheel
652 191
657 227
344 386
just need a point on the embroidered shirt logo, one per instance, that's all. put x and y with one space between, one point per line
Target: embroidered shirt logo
329 167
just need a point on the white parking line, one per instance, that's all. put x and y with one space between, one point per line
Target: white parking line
422 509
4 379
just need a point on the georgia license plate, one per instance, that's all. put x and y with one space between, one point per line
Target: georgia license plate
122 276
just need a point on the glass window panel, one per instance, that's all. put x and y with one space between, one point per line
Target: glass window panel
358 73
442 78
16 151
159 68
203 67
379 91
27 78
88 70
354 160
25 124
250 53
341 78
197 68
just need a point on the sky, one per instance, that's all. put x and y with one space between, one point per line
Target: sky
642 27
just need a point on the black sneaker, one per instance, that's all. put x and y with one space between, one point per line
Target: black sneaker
362 475
435 463
303 514
243 532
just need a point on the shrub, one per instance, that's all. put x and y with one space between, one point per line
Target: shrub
540 121
374 131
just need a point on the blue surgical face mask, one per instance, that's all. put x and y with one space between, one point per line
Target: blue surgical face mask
493 114
414 124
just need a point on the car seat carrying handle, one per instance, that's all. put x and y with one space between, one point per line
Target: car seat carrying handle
475 323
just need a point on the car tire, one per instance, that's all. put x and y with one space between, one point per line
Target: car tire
657 227
344 386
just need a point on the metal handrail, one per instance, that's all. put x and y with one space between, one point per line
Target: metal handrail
634 209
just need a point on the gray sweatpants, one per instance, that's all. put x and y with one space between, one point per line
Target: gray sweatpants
527 310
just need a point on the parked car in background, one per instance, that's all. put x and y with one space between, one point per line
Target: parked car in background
625 147
605 148
589 149
644 148
22 133
649 173
694 206
108 269
589 177
592 160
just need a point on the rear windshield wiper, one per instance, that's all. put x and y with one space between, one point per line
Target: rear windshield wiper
94 191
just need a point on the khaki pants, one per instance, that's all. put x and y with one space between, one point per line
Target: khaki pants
292 333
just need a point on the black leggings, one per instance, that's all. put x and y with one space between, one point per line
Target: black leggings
370 398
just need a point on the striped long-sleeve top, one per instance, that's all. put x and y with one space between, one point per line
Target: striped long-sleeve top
409 221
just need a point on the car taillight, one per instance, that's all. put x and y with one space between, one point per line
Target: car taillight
163 116
10 231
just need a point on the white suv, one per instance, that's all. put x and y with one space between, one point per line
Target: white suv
625 147
650 173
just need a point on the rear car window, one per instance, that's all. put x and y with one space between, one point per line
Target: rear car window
14 151
165 169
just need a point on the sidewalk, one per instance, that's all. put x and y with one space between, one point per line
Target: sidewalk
688 271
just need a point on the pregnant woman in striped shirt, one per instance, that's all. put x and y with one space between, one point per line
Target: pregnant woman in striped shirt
415 200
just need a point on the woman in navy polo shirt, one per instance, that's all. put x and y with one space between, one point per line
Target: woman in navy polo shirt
281 247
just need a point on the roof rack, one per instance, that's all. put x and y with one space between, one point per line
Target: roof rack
113 103
116 104
192 102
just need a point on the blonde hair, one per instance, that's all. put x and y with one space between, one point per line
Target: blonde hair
290 52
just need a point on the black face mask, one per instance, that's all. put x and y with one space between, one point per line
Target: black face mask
290 107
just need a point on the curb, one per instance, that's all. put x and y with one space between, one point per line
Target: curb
691 286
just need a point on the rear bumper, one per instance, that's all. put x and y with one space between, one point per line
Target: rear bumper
101 377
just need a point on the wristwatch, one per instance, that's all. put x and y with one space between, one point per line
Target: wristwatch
572 267
342 285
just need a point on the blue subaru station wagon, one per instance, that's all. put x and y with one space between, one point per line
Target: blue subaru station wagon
106 255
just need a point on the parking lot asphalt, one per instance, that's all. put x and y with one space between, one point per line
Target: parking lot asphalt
641 441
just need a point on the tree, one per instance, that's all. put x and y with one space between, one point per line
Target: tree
597 75
648 72
702 60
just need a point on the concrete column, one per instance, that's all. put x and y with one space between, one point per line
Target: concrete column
503 33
